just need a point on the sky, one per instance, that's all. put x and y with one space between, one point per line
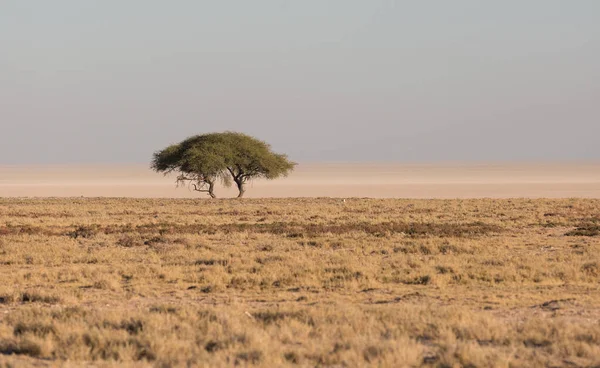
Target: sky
112 81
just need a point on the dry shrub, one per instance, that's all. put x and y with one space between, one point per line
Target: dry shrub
129 241
591 269
20 347
6 298
252 357
585 230
35 328
85 232
39 297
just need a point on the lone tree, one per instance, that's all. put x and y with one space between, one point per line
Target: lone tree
199 161
230 157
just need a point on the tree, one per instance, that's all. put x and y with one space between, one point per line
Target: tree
198 160
202 160
250 158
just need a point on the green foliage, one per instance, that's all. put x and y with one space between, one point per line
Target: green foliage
228 156
199 155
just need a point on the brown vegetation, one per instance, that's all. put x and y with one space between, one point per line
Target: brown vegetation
300 282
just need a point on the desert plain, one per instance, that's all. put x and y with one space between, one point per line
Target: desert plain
337 265
360 180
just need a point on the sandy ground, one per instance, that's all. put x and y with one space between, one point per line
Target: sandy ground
320 180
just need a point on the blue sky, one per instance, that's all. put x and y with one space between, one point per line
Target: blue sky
112 81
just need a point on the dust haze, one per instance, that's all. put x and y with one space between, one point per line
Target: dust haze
374 180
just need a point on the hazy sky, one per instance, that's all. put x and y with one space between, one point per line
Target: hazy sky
322 80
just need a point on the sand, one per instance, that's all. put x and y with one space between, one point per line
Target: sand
377 180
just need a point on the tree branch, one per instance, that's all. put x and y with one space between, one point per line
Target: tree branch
200 190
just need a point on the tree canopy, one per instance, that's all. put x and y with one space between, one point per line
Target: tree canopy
203 160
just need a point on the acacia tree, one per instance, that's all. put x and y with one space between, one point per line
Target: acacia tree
251 158
198 161
202 160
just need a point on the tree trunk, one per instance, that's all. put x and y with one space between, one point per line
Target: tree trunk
240 184
211 190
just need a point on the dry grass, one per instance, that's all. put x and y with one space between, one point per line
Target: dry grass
300 282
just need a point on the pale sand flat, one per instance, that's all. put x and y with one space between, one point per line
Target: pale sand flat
379 180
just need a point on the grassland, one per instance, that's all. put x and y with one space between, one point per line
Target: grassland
300 282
